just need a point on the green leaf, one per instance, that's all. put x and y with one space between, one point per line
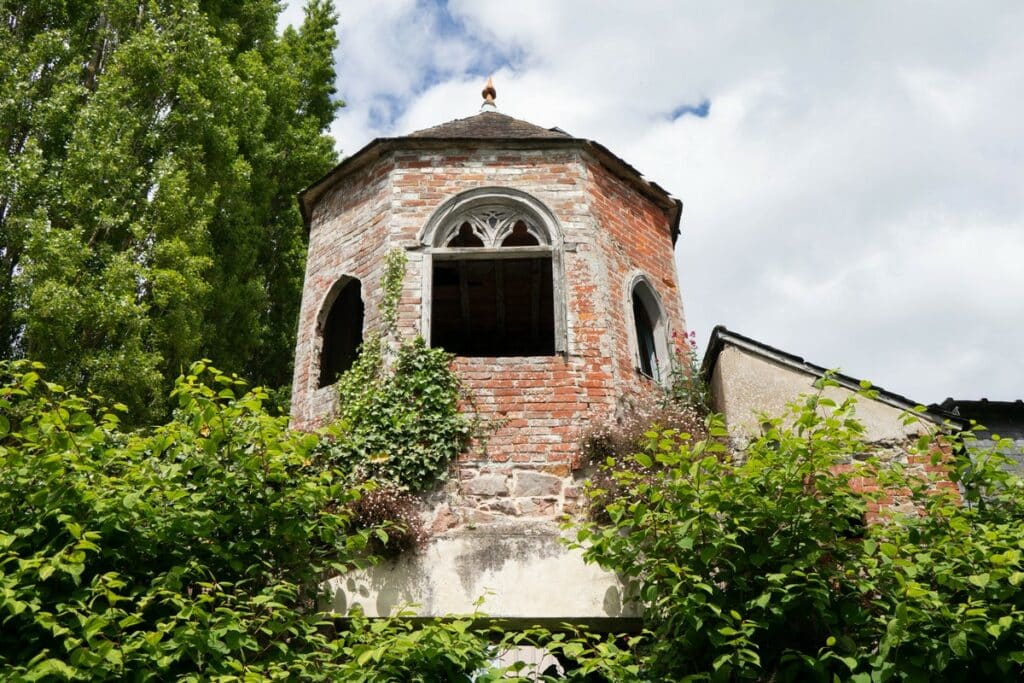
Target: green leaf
979 580
958 643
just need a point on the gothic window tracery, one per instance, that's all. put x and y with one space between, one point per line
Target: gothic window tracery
492 282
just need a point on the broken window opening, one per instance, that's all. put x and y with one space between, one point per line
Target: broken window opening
492 276
493 306
342 332
648 323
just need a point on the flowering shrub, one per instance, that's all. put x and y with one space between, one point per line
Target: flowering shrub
611 443
688 385
393 514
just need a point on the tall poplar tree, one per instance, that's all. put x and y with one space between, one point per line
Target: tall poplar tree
152 152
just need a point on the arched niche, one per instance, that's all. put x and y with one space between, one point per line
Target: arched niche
649 333
340 329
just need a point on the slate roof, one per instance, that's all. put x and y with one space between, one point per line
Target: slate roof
488 125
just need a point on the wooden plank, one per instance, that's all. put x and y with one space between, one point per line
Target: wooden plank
499 297
481 253
464 299
535 287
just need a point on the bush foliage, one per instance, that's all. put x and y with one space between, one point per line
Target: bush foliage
197 549
190 550
761 567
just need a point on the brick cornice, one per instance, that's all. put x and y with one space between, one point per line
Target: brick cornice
381 147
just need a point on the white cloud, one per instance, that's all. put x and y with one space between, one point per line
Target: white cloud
854 196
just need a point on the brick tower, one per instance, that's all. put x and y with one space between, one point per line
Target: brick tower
545 264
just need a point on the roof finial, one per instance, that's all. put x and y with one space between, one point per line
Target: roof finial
489 93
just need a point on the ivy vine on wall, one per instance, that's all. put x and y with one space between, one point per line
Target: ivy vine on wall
399 423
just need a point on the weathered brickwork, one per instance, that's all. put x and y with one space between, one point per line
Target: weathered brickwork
636 238
348 236
533 409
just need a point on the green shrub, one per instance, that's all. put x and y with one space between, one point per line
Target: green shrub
762 567
196 550
190 550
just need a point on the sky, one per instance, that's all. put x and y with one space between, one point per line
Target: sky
852 174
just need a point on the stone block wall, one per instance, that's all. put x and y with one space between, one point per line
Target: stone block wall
534 409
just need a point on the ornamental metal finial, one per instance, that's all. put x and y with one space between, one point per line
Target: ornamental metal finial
489 93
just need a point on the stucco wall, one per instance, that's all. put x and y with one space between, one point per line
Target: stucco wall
522 572
745 384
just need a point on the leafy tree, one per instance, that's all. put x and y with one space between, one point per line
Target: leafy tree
152 151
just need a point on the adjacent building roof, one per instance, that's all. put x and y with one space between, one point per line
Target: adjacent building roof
491 127
1002 419
722 337
1005 418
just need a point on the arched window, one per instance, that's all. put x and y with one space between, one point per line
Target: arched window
341 322
652 357
493 274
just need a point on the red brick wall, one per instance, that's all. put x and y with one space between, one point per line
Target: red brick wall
534 409
636 237
347 236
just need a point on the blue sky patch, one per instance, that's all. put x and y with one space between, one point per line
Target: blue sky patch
437 19
700 111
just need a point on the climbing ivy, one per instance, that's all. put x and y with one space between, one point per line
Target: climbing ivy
399 423
391 284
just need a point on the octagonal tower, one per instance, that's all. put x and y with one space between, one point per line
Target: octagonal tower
543 261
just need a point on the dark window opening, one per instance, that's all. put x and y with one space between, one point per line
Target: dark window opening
493 307
465 238
520 237
645 338
343 333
